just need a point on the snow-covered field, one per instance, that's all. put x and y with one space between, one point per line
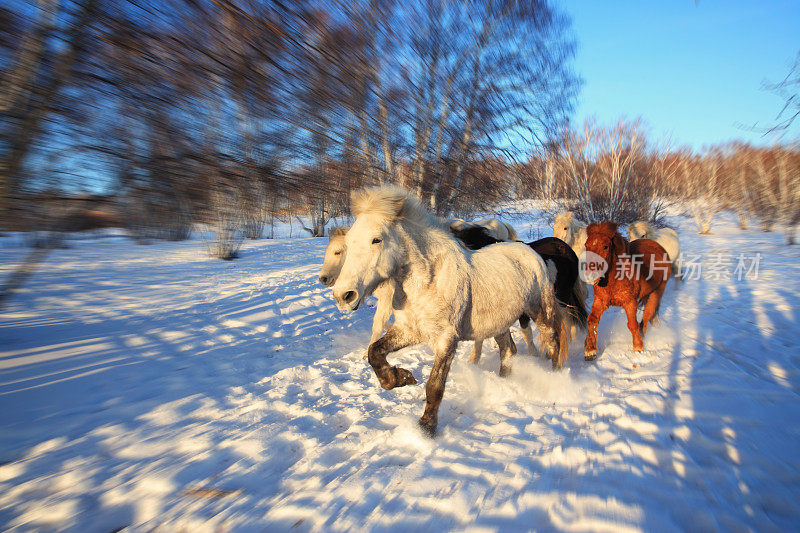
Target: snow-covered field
148 387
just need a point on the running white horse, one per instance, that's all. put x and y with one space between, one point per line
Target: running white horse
666 237
497 228
444 293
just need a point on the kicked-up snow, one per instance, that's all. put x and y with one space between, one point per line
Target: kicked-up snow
151 387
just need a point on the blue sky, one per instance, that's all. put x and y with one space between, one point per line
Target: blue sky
693 71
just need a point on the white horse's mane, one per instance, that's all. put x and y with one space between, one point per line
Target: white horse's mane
391 203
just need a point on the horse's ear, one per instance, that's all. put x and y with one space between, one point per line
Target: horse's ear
610 227
337 231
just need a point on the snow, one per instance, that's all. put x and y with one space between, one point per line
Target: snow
153 387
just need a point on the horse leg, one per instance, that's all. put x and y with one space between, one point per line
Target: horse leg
527 334
599 307
650 315
390 376
633 325
381 318
476 351
434 389
505 343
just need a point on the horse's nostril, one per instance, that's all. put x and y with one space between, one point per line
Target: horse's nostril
323 280
349 296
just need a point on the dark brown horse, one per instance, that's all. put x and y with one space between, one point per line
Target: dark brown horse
624 275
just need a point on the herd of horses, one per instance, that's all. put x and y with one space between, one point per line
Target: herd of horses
447 281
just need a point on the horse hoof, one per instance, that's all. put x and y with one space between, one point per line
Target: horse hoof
505 371
590 355
403 377
638 348
428 428
392 377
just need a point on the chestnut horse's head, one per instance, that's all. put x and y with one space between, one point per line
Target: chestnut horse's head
603 245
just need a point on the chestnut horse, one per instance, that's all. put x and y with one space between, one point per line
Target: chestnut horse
628 274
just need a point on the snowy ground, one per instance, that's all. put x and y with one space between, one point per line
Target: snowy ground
152 387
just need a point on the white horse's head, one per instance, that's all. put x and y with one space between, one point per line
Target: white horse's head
374 247
334 256
565 227
638 230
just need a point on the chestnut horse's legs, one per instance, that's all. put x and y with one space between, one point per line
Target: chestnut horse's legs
504 343
434 389
650 315
590 346
633 325
390 376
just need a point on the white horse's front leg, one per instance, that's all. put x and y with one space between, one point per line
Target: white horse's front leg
383 312
391 376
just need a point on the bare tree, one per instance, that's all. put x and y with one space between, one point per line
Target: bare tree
45 64
601 166
789 90
703 181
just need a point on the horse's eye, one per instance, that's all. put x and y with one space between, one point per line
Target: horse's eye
376 240
565 229
337 253
605 247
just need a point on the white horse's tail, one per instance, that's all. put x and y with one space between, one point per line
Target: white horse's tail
554 316
562 332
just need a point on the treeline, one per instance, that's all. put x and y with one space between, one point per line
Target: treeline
616 173
230 112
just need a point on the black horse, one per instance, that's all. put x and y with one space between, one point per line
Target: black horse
551 249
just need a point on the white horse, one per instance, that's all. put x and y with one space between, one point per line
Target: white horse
497 228
443 293
666 237
332 265
572 232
